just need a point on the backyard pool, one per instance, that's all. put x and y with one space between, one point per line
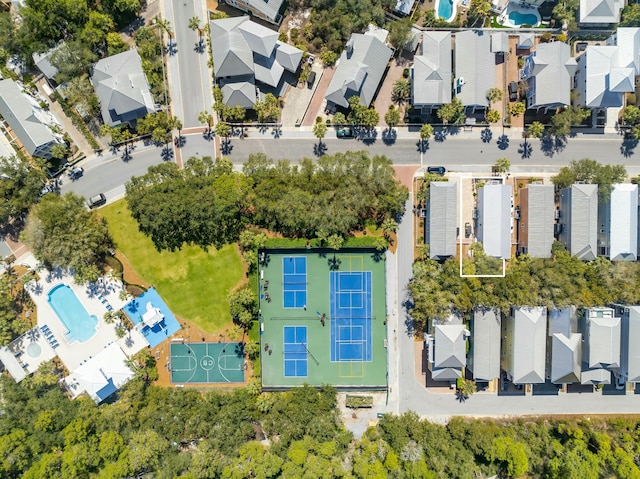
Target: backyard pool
445 9
79 323
519 18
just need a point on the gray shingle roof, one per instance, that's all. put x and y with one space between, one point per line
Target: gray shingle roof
484 355
360 70
600 11
494 220
566 358
602 339
22 116
441 219
476 64
529 345
540 220
431 70
122 88
579 209
623 229
551 69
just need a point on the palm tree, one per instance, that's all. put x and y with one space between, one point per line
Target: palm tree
109 317
401 91
194 24
319 129
121 331
163 24
205 118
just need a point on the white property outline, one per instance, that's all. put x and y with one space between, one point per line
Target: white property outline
504 261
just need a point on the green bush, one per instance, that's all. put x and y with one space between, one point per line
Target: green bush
359 401
77 121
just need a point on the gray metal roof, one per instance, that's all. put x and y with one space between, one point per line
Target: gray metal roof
540 220
484 354
404 6
122 88
494 219
600 11
566 358
630 352
267 70
269 8
431 70
231 53
526 40
450 348
595 376
360 70
441 218
602 339
551 69
242 93
476 64
623 229
529 344
287 56
499 42
579 210
563 321
43 61
22 113
261 40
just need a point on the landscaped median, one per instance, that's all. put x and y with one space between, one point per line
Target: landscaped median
193 282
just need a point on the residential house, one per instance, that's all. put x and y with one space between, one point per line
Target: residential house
549 72
627 39
441 224
29 122
249 60
579 220
566 346
43 62
601 79
524 344
361 67
629 370
484 350
494 219
267 10
535 226
431 72
404 7
526 41
122 88
601 332
475 68
447 349
618 224
499 42
600 13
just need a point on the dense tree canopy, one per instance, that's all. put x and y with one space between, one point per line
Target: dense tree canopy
590 171
337 195
204 204
556 282
62 233
20 186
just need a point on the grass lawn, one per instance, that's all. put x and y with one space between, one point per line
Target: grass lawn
193 283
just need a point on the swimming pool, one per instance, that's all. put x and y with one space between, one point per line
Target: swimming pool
519 18
445 10
79 323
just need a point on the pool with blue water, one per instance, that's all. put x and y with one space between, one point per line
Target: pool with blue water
519 18
445 9
80 325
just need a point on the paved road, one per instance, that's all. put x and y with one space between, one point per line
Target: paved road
189 77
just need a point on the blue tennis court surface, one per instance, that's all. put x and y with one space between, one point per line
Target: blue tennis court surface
351 316
294 281
295 351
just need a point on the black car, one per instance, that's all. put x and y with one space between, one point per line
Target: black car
436 170
513 91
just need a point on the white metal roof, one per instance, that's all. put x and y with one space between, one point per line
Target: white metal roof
441 218
494 219
431 70
529 344
485 357
476 64
623 230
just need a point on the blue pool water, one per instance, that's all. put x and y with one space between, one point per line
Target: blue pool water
519 18
79 323
445 9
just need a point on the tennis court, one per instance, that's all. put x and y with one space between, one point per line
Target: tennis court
207 363
295 351
294 281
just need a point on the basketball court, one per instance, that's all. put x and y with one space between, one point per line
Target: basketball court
207 363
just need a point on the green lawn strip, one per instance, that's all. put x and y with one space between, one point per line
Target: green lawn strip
193 283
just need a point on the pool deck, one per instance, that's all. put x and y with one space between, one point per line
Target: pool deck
77 353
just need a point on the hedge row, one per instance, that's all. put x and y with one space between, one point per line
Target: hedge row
350 242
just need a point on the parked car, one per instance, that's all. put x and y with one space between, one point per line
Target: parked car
346 132
311 79
513 91
436 170
75 173
97 200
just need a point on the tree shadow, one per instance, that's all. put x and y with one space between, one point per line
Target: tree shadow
440 135
461 397
225 146
503 142
199 46
628 146
552 144
389 136
423 146
368 136
334 263
180 141
167 153
319 148
208 134
263 128
276 132
525 150
172 48
486 135
126 154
